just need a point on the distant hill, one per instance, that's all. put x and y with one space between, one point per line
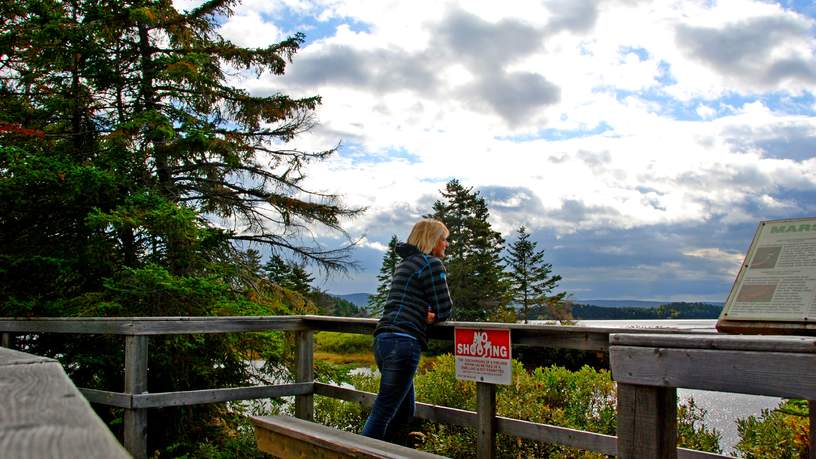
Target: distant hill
358 299
633 303
662 312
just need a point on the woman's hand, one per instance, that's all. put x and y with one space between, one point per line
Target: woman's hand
431 316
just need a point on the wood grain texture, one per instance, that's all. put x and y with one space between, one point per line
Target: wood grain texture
756 327
44 415
604 444
647 422
104 397
150 325
486 415
760 373
135 419
288 437
794 344
304 373
198 397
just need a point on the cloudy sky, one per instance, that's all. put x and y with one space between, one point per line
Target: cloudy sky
640 141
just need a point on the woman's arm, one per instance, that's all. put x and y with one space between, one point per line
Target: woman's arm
436 288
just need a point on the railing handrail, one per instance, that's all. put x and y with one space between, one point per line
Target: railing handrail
534 335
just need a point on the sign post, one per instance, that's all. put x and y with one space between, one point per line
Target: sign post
484 356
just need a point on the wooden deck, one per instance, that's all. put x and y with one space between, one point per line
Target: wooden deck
288 437
43 414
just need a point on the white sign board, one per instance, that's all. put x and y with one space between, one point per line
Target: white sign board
777 281
483 355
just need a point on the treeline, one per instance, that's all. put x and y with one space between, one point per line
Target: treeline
677 310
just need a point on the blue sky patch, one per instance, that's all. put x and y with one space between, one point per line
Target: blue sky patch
558 134
290 21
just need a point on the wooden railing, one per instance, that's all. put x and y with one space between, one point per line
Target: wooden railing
136 400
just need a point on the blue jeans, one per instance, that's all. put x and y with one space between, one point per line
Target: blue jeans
397 358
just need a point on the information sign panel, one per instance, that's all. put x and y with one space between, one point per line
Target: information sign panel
483 355
777 281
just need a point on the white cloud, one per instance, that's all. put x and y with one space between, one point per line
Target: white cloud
610 114
250 30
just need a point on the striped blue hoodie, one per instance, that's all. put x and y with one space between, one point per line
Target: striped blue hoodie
419 284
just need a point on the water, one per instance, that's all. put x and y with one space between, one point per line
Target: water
723 410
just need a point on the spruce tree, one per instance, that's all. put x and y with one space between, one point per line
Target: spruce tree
288 275
473 259
376 303
531 277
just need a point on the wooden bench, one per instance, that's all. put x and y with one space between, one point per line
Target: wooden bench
43 415
290 437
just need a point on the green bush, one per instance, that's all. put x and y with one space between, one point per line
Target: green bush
583 399
692 433
781 433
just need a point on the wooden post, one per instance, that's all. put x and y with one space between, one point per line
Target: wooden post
5 340
136 383
812 439
304 356
647 422
486 411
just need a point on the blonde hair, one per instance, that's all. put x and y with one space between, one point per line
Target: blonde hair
426 233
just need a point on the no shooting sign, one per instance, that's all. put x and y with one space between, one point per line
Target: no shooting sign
483 355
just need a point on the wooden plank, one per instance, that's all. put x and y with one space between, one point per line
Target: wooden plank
104 397
150 325
647 422
357 325
760 373
99 326
447 415
304 367
198 397
12 357
554 336
486 412
604 444
685 453
755 327
795 344
285 436
344 393
185 325
44 415
135 419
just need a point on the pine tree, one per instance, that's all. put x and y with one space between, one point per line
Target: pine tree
376 303
288 275
475 270
531 278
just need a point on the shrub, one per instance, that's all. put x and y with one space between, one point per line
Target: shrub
781 433
583 399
